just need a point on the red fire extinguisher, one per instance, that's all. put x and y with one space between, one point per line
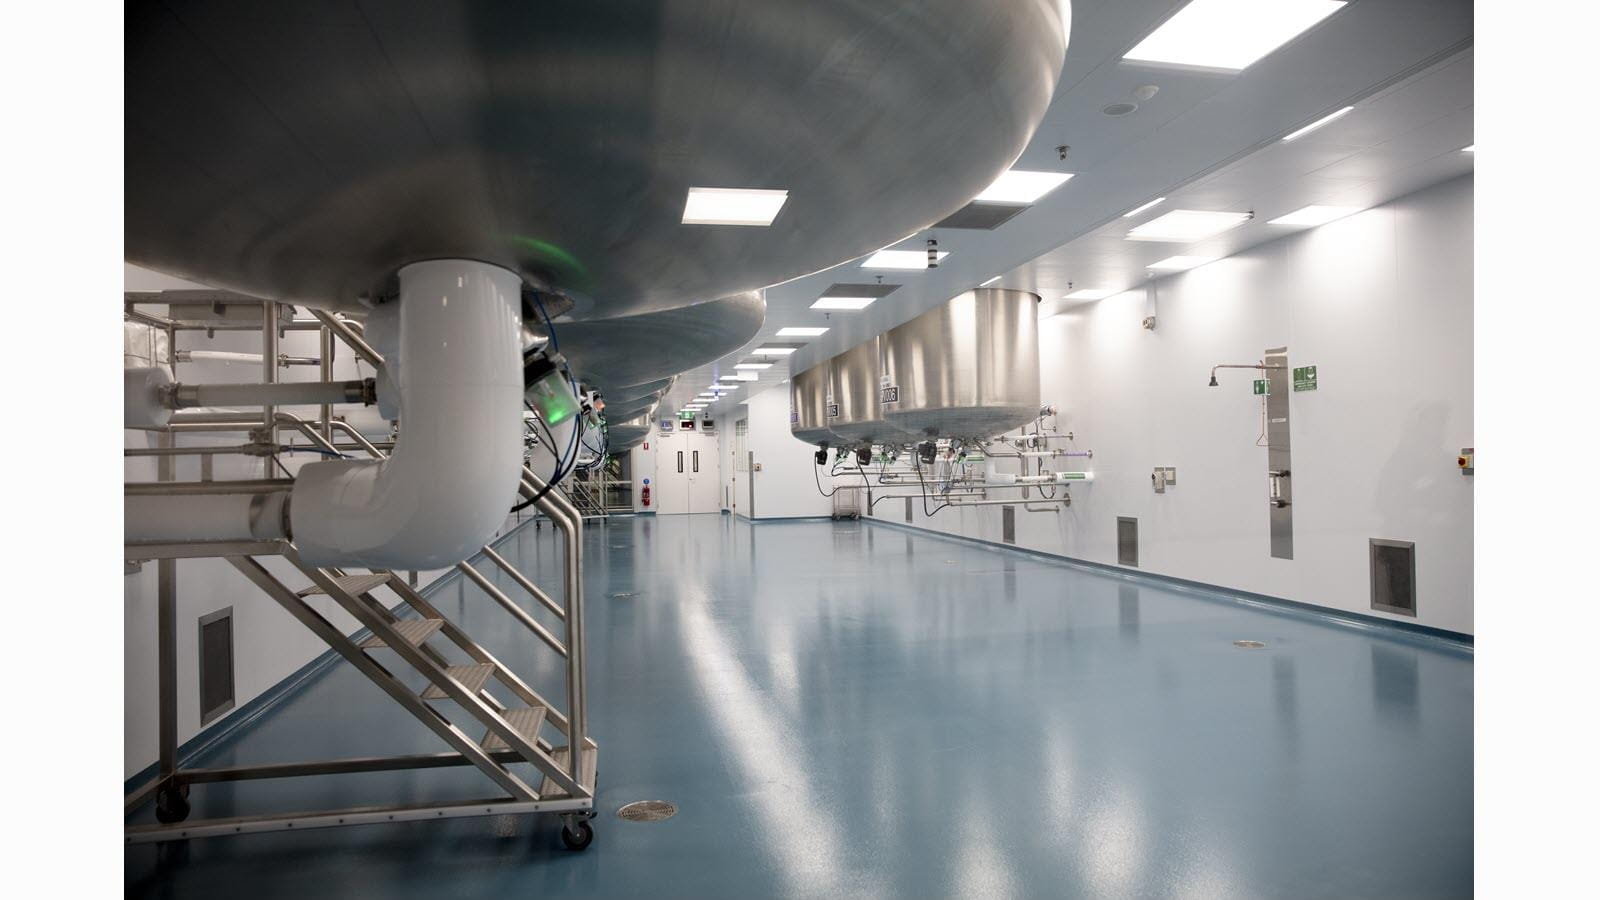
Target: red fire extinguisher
644 495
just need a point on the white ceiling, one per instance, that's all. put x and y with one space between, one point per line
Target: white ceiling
1207 140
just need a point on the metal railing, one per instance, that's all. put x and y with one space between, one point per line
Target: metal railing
568 788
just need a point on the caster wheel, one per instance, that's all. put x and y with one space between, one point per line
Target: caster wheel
578 835
172 805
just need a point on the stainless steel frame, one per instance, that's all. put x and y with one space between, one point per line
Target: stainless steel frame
514 733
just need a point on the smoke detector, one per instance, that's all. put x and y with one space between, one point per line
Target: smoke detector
1117 110
1135 97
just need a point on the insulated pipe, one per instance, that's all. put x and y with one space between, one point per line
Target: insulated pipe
442 493
205 517
303 393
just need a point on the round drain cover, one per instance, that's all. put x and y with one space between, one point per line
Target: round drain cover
1249 645
647 811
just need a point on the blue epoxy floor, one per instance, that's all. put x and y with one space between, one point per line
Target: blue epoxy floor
853 710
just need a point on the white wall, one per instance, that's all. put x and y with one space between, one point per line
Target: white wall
786 486
1381 302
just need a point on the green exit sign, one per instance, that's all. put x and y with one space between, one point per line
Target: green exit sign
686 415
1261 386
1305 378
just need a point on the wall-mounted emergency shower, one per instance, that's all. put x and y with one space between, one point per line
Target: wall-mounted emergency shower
1261 367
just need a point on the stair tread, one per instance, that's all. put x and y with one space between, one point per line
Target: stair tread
352 584
472 677
549 790
526 720
413 630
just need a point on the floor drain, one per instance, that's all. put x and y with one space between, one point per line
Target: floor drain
647 811
1249 645
622 595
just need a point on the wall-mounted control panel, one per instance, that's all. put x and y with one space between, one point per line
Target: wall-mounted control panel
1163 477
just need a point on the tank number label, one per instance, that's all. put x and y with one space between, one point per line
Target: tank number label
833 410
889 394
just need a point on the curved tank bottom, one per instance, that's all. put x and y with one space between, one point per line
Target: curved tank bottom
966 369
626 435
625 396
966 423
306 151
621 353
632 409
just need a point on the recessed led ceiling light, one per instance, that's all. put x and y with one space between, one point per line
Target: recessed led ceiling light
1179 263
1183 226
1022 186
1089 294
1468 148
1139 209
732 206
798 331
900 259
1312 216
752 365
843 302
1229 34
1317 124
773 351
990 281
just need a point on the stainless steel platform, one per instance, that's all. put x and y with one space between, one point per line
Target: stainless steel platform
472 677
526 720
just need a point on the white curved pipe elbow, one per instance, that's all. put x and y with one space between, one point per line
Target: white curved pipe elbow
457 464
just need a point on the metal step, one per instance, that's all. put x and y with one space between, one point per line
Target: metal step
415 631
472 677
526 720
548 789
351 584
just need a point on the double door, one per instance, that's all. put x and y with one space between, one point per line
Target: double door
687 474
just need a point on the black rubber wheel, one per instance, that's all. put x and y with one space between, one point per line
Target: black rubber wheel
577 837
171 805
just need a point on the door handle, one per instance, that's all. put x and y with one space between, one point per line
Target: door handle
680 462
697 460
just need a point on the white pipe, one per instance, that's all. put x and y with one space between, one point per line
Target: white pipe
457 464
205 517
141 397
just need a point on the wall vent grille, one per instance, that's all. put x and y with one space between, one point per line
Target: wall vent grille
216 664
1127 541
1008 524
1393 566
908 509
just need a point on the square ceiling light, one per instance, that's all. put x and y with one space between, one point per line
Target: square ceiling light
753 365
732 206
900 259
852 303
1022 186
741 376
1179 263
1312 216
1229 34
1185 226
801 331
774 350
1089 294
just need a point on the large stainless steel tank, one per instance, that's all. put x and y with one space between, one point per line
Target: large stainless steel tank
808 406
617 354
967 369
305 150
627 435
855 415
